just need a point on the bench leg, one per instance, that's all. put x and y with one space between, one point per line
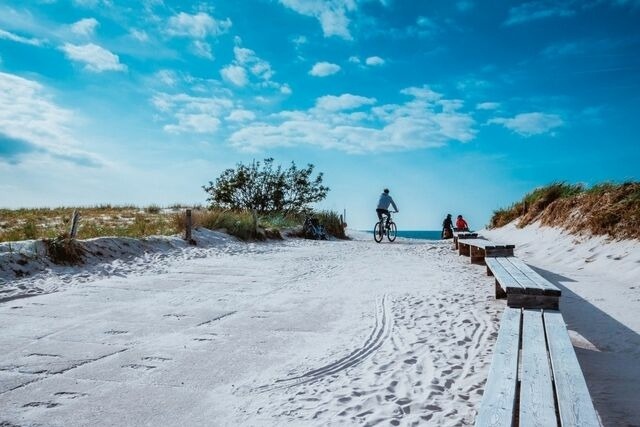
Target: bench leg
477 255
489 272
463 249
500 293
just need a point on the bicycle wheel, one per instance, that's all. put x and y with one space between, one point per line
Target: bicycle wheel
392 231
378 232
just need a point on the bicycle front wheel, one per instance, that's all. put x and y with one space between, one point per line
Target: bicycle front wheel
378 232
392 231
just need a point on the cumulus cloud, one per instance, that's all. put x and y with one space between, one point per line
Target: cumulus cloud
139 35
346 101
191 114
32 123
85 27
6 35
488 106
202 49
241 116
324 69
235 74
374 60
199 26
331 14
530 124
96 59
425 120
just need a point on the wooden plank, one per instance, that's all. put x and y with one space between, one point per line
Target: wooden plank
519 300
503 278
499 398
498 251
537 406
463 248
574 402
529 285
548 287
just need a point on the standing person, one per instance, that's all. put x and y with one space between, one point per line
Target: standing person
383 205
447 227
461 224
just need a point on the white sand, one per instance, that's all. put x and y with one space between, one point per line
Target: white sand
295 332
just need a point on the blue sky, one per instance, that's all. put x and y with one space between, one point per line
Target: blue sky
456 106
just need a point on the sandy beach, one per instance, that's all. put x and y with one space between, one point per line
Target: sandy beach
298 332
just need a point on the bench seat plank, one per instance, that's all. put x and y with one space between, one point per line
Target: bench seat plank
502 278
574 401
499 399
528 286
537 407
547 287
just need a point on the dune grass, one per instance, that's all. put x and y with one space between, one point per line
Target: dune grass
608 209
131 221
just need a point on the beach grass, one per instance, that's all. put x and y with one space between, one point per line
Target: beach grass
609 209
132 221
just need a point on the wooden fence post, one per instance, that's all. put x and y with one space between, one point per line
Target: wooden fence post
188 226
73 230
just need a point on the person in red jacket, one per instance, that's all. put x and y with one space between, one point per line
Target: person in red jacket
461 224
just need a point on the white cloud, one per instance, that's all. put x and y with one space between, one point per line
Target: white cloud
192 114
29 116
96 58
331 14
323 69
235 74
425 120
6 35
139 35
285 89
354 59
464 5
374 60
488 106
346 101
529 124
85 27
241 116
199 26
539 9
201 49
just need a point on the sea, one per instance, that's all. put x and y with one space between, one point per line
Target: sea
419 234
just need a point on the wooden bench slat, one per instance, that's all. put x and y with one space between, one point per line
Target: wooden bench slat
537 406
527 285
498 402
574 401
503 278
548 287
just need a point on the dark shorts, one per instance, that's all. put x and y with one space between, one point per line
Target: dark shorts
382 211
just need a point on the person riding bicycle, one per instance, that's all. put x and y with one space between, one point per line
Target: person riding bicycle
383 205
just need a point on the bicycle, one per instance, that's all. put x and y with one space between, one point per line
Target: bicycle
387 228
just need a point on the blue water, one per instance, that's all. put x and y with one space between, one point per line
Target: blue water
419 234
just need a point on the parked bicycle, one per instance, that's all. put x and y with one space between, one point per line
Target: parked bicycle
385 227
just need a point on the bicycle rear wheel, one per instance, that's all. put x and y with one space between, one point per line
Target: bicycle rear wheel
378 232
392 231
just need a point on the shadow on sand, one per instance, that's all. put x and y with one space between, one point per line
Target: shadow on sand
613 372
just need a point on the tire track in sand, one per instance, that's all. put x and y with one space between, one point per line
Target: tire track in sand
379 334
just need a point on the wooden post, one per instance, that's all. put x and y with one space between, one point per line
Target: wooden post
188 225
254 215
73 230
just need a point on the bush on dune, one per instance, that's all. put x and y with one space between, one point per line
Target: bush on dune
604 209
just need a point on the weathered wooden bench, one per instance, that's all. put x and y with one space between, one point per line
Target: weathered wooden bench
462 235
535 377
521 285
478 249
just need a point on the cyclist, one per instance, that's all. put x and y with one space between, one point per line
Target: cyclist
383 205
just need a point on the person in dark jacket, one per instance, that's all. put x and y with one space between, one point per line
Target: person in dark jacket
447 227
383 204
